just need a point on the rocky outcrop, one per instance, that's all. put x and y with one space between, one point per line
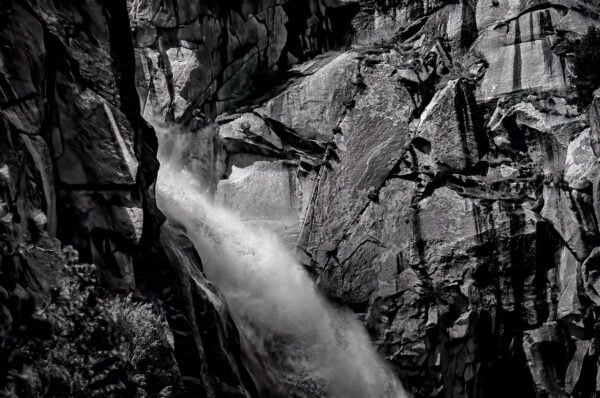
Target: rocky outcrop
79 162
202 57
438 179
521 40
435 176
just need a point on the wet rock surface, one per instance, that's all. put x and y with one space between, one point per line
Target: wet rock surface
443 185
78 161
427 159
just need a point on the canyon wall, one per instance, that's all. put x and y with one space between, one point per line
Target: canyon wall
78 163
427 159
434 172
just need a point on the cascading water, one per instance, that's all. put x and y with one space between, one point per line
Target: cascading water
313 348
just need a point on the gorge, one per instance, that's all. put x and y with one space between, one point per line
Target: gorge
299 198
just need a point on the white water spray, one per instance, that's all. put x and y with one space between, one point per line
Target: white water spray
276 305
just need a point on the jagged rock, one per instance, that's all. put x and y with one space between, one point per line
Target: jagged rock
576 224
381 21
374 137
516 39
574 371
594 118
94 140
467 276
541 344
250 133
69 109
22 81
206 334
589 273
315 106
569 306
581 163
463 326
160 14
545 138
457 140
215 52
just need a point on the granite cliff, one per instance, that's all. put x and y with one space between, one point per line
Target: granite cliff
436 174
78 163
432 162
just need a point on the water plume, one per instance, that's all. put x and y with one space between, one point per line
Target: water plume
312 347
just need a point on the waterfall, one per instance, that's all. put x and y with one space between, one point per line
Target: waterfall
314 348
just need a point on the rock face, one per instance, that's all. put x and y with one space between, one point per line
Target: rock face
519 40
203 56
77 161
436 178
425 157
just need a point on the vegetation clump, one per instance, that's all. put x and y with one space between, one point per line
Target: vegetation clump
95 346
586 58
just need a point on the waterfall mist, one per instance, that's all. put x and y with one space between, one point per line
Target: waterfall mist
306 342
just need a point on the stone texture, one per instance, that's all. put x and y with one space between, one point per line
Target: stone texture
77 161
314 107
266 193
436 176
453 198
517 39
456 141
214 55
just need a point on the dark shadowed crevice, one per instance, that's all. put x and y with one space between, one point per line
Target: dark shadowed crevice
517 61
468 30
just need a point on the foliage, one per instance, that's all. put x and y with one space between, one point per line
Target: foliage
586 58
99 347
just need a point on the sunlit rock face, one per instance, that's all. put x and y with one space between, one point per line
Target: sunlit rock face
518 38
436 176
426 158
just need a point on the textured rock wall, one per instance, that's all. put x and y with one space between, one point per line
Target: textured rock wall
77 161
203 57
437 179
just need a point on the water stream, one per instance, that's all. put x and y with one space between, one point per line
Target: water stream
308 345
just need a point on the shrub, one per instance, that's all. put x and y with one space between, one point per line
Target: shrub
586 58
99 347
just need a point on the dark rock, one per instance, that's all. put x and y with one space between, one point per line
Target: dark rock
78 160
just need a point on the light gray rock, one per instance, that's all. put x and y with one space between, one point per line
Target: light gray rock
208 56
315 105
460 233
581 164
158 13
569 306
450 123
591 277
516 39
374 137
594 118
268 194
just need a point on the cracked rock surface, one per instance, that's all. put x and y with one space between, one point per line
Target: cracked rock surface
437 178
427 159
